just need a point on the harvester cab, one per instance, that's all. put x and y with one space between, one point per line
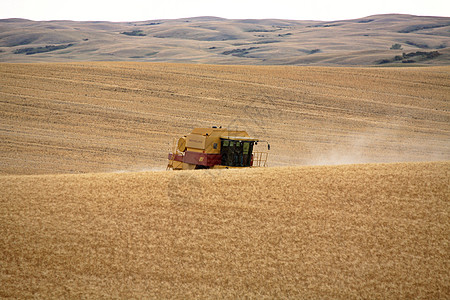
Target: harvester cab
216 148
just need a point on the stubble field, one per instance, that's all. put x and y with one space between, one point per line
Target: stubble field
352 231
103 117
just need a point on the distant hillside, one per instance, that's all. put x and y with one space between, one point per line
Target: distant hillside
373 40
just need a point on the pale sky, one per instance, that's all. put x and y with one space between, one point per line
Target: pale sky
134 10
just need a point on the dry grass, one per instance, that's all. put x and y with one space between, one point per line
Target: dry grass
363 231
102 117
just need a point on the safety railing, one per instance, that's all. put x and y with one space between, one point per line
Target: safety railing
260 159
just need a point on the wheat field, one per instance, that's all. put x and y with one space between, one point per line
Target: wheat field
354 205
104 117
344 232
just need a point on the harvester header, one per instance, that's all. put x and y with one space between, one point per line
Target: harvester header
206 148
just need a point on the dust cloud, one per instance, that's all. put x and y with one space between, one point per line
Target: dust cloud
386 145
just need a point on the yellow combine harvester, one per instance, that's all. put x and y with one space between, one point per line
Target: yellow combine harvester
216 148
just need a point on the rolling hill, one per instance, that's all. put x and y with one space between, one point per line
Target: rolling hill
379 39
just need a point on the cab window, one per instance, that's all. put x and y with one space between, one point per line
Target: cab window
236 153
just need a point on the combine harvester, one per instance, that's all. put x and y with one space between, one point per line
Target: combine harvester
216 148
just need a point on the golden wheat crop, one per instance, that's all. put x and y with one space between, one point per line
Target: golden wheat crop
362 231
102 117
355 231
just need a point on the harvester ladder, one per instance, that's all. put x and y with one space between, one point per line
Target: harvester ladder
174 154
